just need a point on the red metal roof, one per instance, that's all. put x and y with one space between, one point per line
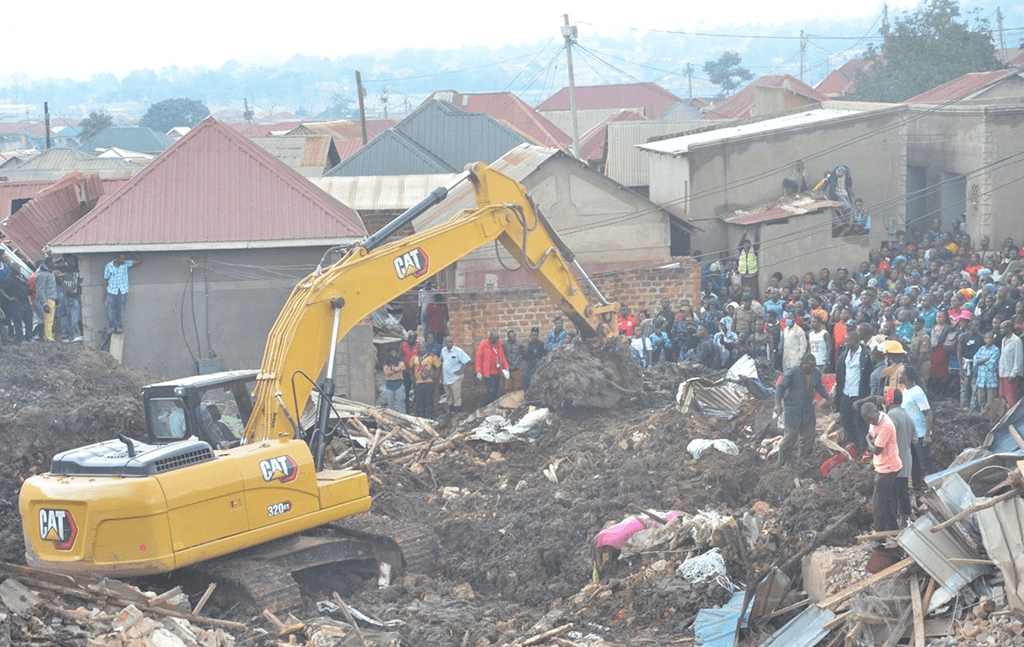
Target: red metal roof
213 188
653 99
780 212
593 141
347 147
53 210
261 130
963 87
512 111
741 104
344 128
840 81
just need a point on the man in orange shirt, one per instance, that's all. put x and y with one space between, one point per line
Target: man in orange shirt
887 464
491 365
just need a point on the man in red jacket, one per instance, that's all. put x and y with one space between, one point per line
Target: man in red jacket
491 365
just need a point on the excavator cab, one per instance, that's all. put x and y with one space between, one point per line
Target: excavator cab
214 408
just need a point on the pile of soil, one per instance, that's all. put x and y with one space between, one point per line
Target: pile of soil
584 376
57 397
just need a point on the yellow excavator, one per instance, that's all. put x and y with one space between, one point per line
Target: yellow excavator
257 505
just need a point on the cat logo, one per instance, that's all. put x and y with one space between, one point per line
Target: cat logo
282 468
413 263
59 527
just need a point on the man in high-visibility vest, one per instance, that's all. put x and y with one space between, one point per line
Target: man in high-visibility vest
747 267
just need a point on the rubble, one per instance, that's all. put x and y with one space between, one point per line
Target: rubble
518 523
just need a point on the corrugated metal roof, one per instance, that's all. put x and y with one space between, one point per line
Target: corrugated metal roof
381 192
347 147
718 627
592 143
143 140
741 104
53 210
839 82
310 155
798 207
682 144
52 165
213 189
626 163
805 630
935 552
437 137
257 129
653 99
517 164
11 191
344 128
967 86
510 110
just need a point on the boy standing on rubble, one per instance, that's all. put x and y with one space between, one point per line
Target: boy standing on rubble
797 390
886 461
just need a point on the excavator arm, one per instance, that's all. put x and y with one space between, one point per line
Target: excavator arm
328 303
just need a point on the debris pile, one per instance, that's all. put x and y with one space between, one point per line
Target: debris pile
578 375
593 523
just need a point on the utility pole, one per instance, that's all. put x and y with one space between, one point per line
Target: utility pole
569 33
803 48
46 122
362 108
689 79
384 99
1002 42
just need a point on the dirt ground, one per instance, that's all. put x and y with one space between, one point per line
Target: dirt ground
516 521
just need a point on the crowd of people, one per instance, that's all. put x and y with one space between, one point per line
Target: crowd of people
928 315
46 305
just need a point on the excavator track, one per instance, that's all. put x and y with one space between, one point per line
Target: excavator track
263 576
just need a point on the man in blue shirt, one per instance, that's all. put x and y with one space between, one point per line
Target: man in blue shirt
116 276
797 390
558 336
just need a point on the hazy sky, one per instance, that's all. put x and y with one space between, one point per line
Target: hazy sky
79 40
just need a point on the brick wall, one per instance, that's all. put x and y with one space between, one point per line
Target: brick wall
473 314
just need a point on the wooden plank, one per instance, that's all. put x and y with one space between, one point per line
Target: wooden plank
867 582
871 536
915 603
1016 436
928 592
899 629
165 596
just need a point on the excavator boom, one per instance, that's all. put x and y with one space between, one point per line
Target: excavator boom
377 272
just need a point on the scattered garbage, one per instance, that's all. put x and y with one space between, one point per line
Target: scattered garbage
499 429
698 446
707 567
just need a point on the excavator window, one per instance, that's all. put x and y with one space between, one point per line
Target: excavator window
167 415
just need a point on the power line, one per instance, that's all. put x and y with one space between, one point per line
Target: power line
448 72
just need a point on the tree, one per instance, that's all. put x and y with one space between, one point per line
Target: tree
93 125
726 72
927 48
169 113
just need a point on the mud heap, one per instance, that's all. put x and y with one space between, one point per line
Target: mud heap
585 376
56 397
